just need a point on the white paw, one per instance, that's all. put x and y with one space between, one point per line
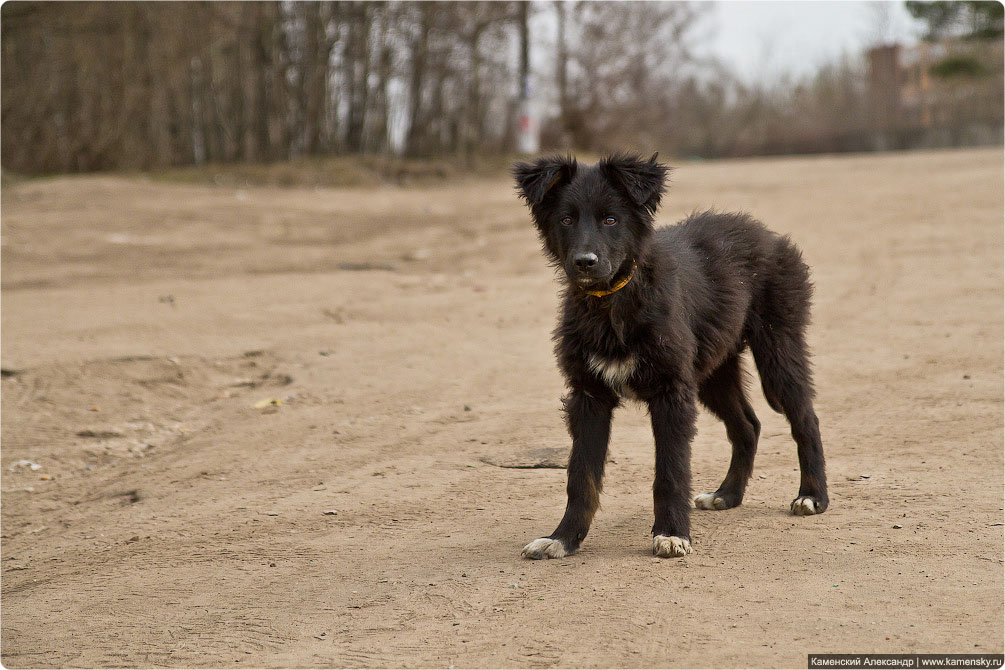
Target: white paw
709 501
544 547
669 546
805 506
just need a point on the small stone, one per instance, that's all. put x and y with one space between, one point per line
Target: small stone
267 403
897 525
330 512
24 463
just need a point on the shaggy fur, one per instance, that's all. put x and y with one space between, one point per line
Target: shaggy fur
702 291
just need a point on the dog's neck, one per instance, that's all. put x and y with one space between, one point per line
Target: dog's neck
618 283
629 274
613 306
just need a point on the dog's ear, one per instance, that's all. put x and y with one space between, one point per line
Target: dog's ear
644 181
536 180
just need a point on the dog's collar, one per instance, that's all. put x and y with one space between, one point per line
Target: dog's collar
618 286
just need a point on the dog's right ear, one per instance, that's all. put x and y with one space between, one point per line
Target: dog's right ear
536 180
644 181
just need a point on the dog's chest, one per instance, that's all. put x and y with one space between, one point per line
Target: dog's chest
616 373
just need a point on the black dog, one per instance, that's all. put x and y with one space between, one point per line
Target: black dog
662 316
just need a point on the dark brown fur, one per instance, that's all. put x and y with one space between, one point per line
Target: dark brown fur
704 290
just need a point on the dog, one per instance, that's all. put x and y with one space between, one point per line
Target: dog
662 316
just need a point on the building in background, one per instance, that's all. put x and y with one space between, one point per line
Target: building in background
935 94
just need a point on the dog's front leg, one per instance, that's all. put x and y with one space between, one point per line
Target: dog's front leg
673 414
589 419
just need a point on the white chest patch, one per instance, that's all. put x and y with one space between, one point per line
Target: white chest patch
615 373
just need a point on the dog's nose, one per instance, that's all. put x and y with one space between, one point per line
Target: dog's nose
585 261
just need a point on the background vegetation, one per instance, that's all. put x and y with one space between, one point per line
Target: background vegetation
139 85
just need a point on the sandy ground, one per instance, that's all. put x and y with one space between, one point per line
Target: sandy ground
362 523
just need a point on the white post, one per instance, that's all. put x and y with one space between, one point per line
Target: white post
528 138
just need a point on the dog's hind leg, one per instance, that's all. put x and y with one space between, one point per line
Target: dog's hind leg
778 343
589 419
724 396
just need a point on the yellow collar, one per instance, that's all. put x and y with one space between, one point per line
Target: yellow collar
617 287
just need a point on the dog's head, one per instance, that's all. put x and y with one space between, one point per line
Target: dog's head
594 219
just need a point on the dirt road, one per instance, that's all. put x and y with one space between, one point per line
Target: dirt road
361 522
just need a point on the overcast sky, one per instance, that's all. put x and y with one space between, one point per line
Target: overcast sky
760 40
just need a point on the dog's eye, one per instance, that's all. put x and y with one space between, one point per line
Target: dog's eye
610 221
567 221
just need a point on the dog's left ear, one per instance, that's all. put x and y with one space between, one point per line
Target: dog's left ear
644 181
536 180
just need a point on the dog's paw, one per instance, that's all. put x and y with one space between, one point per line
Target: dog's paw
807 505
670 546
544 547
715 501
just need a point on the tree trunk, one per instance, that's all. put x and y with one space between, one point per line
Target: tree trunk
418 52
